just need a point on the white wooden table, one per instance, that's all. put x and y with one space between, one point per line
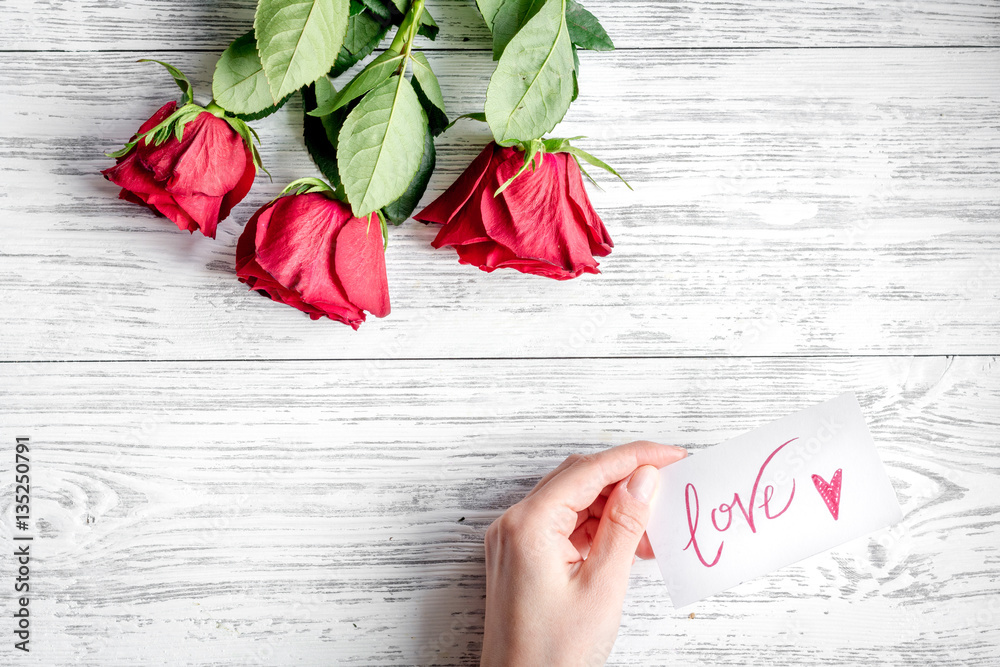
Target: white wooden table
218 480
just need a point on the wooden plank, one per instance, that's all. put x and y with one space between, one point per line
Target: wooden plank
847 206
189 24
311 513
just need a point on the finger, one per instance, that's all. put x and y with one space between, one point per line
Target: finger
592 512
538 530
582 481
583 536
645 550
567 462
621 528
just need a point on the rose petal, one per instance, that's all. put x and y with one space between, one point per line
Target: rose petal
209 160
488 256
130 175
246 247
194 183
600 241
295 236
359 259
444 208
214 158
236 195
161 115
536 218
128 196
296 245
464 227
543 223
203 209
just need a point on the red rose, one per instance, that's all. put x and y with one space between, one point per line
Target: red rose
195 182
309 252
542 223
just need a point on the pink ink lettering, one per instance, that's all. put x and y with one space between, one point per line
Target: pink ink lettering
693 527
727 508
830 492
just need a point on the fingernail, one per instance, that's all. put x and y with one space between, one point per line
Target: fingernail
679 450
642 484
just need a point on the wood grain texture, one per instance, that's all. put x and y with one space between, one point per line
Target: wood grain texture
846 205
311 513
789 201
186 24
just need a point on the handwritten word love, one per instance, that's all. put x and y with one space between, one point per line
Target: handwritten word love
693 509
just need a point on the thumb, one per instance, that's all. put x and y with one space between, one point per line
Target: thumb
622 525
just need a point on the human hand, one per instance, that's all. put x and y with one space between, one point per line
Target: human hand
557 563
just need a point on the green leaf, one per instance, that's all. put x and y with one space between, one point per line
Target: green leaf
385 229
437 121
168 126
401 5
320 134
505 17
481 117
585 30
239 84
532 86
179 78
428 26
302 186
185 118
587 157
298 40
324 90
263 113
361 30
576 74
347 58
428 81
171 125
377 8
558 145
401 209
429 92
249 135
367 79
381 144
124 150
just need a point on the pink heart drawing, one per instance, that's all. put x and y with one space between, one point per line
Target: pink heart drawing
830 492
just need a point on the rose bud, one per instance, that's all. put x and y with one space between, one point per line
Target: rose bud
310 252
195 182
541 223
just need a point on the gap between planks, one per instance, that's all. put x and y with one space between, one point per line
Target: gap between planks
447 49
669 357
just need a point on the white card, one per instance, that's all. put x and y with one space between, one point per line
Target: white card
769 498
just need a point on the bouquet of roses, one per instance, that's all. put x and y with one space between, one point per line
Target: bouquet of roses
320 244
